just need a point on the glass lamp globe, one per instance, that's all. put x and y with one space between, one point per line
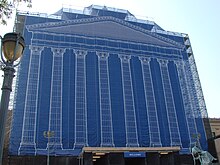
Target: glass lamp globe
9 46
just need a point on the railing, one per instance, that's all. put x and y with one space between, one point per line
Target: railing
37 14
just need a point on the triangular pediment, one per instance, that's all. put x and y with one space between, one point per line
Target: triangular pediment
105 27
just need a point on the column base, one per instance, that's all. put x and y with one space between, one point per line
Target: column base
55 146
176 144
155 144
79 145
107 145
132 145
27 149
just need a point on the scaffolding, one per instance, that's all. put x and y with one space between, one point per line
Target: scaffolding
197 89
198 101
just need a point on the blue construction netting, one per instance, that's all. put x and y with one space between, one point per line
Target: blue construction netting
103 82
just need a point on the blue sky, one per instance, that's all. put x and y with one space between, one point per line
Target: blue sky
198 18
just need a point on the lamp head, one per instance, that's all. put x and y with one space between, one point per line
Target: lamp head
13 46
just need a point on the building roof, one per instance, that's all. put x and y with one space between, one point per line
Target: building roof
96 10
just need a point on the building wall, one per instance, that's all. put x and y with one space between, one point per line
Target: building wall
215 127
103 81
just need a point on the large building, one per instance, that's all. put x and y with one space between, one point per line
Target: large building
103 87
215 127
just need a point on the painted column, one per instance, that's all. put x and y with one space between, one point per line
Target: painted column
105 101
80 100
187 102
170 107
154 131
55 114
28 144
129 108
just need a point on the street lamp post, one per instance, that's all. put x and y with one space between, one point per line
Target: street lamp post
48 135
12 47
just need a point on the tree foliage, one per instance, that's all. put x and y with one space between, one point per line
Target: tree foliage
7 6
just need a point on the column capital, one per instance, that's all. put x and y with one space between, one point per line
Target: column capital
124 58
102 55
58 51
179 63
36 49
162 62
144 60
80 53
